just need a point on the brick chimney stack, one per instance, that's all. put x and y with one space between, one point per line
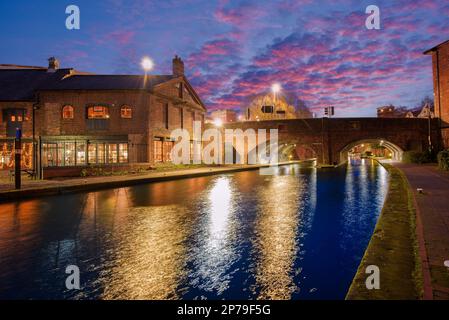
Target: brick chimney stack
178 66
53 64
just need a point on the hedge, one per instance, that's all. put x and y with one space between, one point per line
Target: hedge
443 160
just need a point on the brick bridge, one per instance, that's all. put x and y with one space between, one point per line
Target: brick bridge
329 140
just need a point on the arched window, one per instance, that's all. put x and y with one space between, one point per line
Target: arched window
126 112
67 112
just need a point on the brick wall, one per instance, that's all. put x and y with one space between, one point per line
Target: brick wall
440 58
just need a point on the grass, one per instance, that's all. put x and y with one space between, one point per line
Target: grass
393 248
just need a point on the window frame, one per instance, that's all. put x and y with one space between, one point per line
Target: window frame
93 106
125 108
72 111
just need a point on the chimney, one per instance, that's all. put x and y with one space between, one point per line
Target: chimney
53 64
178 66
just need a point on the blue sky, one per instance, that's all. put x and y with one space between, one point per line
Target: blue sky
319 51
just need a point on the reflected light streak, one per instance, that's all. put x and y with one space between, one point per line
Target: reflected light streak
218 253
277 229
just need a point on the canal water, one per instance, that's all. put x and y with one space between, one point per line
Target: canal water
298 234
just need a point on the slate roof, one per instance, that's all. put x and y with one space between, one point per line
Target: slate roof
20 84
108 82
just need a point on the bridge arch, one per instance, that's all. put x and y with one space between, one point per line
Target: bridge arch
395 151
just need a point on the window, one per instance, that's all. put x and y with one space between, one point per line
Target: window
180 89
92 153
67 112
69 154
7 155
157 149
181 116
123 152
126 112
168 145
166 116
98 112
267 109
101 153
81 153
112 153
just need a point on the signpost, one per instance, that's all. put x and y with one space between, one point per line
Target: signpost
17 157
329 111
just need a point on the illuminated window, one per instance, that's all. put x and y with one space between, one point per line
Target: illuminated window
80 153
98 112
92 153
112 153
123 152
67 112
69 154
126 112
157 149
101 153
168 146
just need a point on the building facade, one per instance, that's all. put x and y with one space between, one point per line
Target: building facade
440 67
81 120
225 115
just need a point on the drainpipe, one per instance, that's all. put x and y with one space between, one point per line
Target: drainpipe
439 91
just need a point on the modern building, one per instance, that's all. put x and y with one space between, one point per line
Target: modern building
440 67
77 120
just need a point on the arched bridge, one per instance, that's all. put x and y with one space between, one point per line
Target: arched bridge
329 140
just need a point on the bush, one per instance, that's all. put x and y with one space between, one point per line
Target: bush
443 160
417 157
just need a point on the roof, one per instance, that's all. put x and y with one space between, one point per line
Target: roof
18 84
107 82
436 47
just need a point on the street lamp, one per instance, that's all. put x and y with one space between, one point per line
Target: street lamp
147 64
276 88
218 122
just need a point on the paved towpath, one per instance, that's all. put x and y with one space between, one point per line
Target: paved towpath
34 188
432 225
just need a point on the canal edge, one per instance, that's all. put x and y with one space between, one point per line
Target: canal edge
14 195
357 289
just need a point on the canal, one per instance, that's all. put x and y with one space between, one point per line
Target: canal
298 234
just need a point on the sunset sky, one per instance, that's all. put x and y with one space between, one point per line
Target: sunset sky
233 50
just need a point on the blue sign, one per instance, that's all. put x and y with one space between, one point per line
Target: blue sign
18 133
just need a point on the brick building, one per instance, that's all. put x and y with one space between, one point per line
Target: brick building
225 115
440 66
81 119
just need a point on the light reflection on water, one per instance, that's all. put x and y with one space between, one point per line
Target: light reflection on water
299 234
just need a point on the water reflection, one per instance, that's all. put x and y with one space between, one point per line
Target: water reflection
215 249
276 237
298 234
